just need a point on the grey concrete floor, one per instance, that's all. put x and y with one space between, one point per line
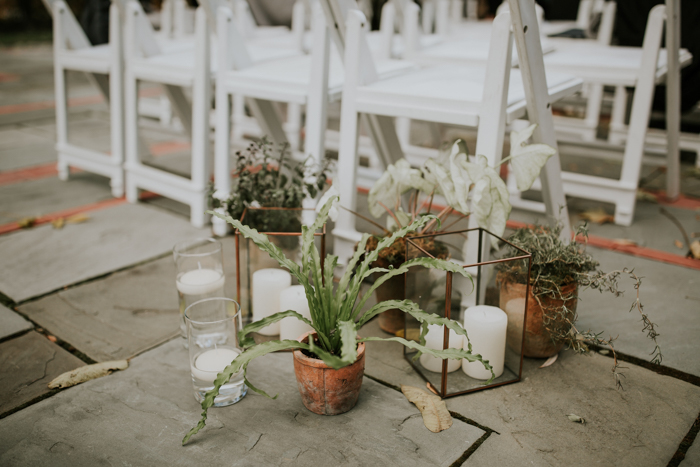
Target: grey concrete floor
104 290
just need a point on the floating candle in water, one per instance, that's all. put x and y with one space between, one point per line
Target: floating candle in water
200 282
212 362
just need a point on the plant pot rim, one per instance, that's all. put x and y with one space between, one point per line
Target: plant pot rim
317 362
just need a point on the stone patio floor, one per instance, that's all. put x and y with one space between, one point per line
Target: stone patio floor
103 290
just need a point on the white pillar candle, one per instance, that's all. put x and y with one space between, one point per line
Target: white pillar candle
212 362
200 282
267 286
435 340
486 328
294 298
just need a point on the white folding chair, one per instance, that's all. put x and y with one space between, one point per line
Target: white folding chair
470 96
618 66
103 67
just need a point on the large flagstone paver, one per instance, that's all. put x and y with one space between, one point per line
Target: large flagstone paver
671 298
11 323
692 457
27 364
123 314
40 197
43 259
641 425
139 416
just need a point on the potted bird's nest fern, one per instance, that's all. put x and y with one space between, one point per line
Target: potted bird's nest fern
469 186
337 313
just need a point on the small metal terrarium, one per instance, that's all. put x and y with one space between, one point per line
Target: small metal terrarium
492 312
259 279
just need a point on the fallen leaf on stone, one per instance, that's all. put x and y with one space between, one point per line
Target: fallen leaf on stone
695 249
549 361
646 196
597 216
604 352
86 373
27 222
77 218
413 334
624 242
436 417
51 338
58 223
576 419
678 244
430 388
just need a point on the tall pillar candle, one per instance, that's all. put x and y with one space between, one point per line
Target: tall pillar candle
486 328
268 284
294 298
435 340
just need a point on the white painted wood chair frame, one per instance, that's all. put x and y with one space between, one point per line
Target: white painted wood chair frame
355 103
622 192
103 66
141 43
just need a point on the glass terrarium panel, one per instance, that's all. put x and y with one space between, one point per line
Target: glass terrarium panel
453 296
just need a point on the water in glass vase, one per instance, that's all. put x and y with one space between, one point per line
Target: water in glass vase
195 285
204 368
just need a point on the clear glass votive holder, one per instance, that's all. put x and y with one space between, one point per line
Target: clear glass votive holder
212 336
200 273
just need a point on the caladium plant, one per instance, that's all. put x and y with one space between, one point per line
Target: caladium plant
337 310
468 186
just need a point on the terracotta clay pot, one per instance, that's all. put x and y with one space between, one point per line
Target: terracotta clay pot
391 321
326 391
538 341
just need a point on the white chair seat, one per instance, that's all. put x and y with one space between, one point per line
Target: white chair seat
288 80
472 50
449 94
602 64
95 59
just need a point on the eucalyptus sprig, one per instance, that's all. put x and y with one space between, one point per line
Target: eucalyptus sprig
337 312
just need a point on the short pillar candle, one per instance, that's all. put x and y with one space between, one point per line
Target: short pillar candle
268 284
486 328
294 298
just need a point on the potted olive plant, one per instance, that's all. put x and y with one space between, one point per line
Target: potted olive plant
469 187
560 270
337 313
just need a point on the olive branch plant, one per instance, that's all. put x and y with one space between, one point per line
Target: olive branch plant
337 312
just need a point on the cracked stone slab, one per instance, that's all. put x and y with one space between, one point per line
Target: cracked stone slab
123 314
11 323
641 425
43 259
150 406
27 364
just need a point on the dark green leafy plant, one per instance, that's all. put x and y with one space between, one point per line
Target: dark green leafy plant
556 265
337 312
267 178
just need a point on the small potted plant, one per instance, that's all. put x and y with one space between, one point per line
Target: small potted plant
467 186
265 178
333 351
560 270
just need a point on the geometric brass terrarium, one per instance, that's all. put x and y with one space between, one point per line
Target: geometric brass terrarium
496 327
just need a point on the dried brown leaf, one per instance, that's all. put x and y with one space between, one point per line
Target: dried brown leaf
27 222
58 223
597 216
624 242
436 417
549 361
430 388
646 196
695 249
77 218
86 373
576 419
678 244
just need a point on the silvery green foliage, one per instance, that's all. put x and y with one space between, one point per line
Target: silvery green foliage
468 186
